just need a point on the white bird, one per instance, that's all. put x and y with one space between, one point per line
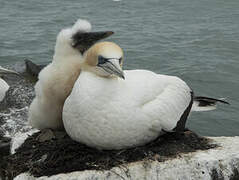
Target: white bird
57 79
109 108
3 85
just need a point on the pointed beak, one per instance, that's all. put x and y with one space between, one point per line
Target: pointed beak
84 40
112 66
6 71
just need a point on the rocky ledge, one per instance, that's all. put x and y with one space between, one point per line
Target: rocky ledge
14 107
53 155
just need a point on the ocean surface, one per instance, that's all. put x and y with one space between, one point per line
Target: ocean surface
195 40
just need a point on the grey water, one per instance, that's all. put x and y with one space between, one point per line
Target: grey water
197 40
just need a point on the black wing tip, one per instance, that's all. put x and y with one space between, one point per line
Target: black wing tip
224 102
210 100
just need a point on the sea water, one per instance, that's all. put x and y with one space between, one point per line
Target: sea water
195 40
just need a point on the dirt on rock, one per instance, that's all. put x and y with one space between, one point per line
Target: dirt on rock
60 154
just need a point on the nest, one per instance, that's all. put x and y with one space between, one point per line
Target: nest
43 156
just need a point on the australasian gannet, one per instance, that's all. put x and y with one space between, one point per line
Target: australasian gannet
109 108
3 84
57 79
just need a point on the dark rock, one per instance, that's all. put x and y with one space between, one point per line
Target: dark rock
215 175
21 91
235 175
4 146
45 135
32 68
14 107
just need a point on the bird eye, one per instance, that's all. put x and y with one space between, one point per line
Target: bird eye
120 60
101 60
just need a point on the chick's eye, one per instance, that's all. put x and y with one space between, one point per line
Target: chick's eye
120 60
101 60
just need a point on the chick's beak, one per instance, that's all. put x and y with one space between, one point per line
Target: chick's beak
84 40
112 66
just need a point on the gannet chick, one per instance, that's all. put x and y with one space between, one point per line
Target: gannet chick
3 84
109 108
57 79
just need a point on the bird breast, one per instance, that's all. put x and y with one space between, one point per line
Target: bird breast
119 113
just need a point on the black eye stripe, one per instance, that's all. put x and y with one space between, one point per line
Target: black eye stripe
102 60
120 60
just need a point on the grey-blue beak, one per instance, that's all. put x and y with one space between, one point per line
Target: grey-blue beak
112 66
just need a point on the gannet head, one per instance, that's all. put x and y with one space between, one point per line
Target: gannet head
104 59
74 41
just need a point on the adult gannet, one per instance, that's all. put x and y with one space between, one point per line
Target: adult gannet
109 108
3 85
57 79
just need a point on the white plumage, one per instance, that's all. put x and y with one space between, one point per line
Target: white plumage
81 24
55 83
106 112
57 79
3 85
3 89
115 113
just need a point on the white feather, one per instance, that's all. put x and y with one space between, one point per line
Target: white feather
55 83
63 47
3 85
114 113
3 89
81 25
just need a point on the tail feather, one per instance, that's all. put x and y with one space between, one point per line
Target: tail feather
201 103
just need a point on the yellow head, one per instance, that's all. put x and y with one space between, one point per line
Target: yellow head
104 59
